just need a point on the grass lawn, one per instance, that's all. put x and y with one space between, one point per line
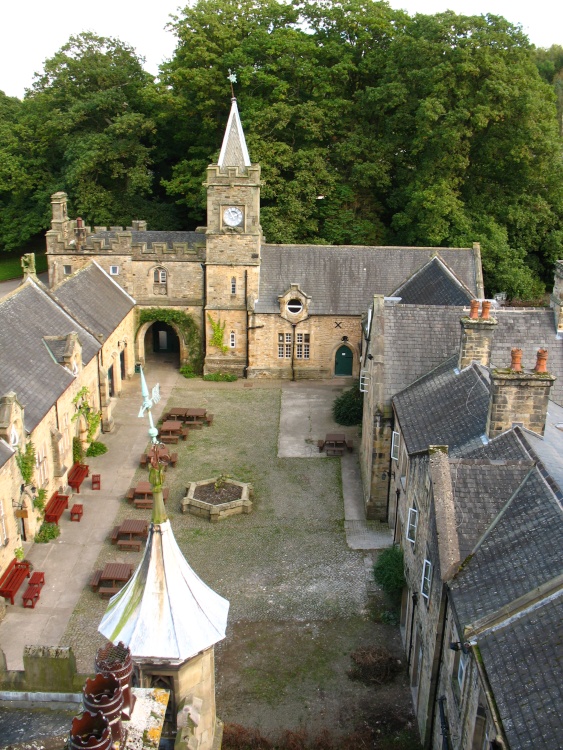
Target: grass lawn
10 263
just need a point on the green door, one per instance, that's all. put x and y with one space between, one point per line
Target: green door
343 361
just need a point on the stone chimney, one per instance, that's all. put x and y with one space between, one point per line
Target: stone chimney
557 296
519 397
476 335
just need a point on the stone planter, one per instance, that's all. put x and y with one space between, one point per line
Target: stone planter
214 512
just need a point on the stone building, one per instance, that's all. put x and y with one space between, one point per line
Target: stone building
253 308
54 344
475 504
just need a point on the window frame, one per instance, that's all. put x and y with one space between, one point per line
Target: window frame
232 340
426 578
413 512
114 270
294 303
233 285
395 445
67 270
162 276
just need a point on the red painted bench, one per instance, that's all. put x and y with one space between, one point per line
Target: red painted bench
55 506
13 577
77 475
31 596
76 512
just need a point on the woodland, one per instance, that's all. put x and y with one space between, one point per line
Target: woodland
372 127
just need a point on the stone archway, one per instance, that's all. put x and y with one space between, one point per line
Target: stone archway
152 330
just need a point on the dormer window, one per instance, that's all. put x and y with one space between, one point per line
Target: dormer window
294 306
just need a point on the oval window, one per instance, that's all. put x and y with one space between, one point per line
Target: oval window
294 306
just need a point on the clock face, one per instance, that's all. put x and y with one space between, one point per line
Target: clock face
232 216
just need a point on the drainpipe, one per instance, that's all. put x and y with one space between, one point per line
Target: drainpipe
294 326
247 324
414 603
203 327
434 686
444 724
398 494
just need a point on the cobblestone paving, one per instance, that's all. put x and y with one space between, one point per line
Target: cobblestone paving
288 560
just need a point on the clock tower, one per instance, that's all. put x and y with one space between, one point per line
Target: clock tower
233 240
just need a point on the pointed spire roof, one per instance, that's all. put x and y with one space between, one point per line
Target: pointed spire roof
234 152
165 611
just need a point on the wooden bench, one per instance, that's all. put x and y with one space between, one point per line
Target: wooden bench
209 419
173 459
320 445
77 475
335 451
130 494
55 507
95 580
96 481
108 591
185 433
132 544
37 579
350 445
169 439
13 578
76 512
114 536
144 460
31 596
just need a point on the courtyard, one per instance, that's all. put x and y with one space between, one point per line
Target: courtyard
301 600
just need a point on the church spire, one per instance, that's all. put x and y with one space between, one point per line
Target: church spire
234 152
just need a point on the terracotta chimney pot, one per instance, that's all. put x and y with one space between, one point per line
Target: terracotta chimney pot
485 310
474 309
516 360
541 362
79 222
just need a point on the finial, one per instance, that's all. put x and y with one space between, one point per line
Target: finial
233 79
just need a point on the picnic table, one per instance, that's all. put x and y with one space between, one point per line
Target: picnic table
131 533
106 582
335 444
171 430
141 495
164 455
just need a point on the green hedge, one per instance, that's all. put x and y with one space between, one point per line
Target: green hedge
348 408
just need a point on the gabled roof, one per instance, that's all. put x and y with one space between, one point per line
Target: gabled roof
529 329
94 299
27 366
520 552
445 407
342 280
522 659
418 338
481 489
433 284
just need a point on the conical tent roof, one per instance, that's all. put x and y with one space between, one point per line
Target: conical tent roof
234 152
165 611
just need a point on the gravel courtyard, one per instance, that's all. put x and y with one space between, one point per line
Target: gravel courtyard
299 603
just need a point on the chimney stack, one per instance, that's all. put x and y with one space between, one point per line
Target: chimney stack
519 397
476 335
557 296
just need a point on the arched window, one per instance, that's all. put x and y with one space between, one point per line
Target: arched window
233 285
160 281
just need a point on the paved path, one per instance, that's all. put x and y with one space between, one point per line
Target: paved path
305 418
69 560
7 286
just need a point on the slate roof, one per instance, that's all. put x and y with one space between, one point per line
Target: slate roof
481 489
433 284
520 552
5 452
94 299
57 346
26 365
445 407
191 238
549 448
529 329
504 446
342 280
418 338
523 663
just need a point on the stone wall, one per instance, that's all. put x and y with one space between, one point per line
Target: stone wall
47 669
518 397
476 341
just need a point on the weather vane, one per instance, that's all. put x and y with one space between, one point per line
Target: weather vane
233 79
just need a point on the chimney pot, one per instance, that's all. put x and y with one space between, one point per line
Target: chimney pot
474 309
516 360
485 310
541 361
79 223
